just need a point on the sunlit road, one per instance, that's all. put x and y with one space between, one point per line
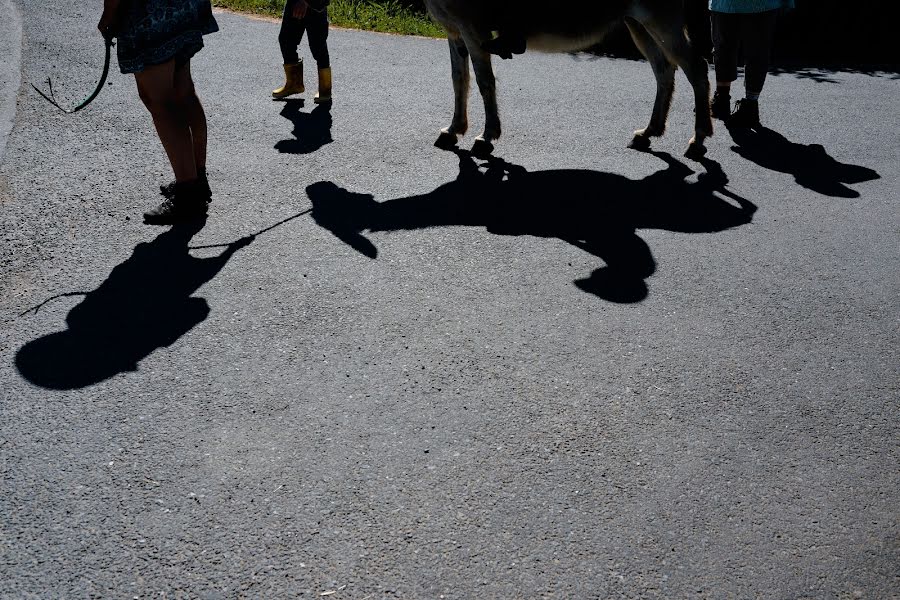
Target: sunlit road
574 371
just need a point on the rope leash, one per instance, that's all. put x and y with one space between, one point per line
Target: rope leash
52 99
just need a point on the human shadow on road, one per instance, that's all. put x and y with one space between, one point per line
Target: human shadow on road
594 211
146 303
811 165
312 130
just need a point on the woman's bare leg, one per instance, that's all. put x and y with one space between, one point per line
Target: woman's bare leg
193 112
156 87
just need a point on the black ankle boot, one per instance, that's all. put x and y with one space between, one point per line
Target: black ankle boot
745 115
188 201
721 105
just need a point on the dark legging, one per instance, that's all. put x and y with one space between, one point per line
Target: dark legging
316 24
752 32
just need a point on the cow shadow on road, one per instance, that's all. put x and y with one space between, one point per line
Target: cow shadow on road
811 166
597 212
311 131
146 303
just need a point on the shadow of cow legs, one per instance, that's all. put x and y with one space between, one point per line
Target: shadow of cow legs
595 211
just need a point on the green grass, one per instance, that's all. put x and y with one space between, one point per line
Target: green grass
388 16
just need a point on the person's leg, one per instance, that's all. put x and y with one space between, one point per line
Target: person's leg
317 28
192 109
726 40
156 88
757 33
289 36
289 39
188 197
193 113
725 35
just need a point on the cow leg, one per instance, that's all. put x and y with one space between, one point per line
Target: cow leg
487 84
459 64
665 85
669 35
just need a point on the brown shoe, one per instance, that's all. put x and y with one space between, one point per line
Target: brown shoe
168 190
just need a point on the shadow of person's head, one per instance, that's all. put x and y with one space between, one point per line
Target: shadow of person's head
810 164
345 214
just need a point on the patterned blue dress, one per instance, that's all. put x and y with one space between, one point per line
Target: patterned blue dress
748 6
155 31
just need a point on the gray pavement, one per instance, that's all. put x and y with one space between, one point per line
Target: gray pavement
11 50
577 372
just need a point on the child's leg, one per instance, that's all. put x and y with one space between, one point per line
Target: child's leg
317 28
317 25
156 87
193 112
289 39
290 36
757 33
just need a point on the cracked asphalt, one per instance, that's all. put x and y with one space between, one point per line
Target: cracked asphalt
385 370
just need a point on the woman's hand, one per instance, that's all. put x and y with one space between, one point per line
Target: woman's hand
109 20
300 8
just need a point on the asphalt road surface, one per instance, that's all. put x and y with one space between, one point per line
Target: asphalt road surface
574 371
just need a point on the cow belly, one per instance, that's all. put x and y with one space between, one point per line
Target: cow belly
552 42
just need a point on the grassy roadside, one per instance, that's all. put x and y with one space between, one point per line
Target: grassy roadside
388 16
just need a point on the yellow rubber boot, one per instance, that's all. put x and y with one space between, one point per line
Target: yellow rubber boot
324 94
293 81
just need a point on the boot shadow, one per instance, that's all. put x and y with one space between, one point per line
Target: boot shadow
311 131
145 303
596 212
811 166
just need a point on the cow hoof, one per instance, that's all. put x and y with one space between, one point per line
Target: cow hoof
695 151
446 140
640 142
482 148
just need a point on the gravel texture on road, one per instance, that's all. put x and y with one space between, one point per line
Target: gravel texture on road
574 371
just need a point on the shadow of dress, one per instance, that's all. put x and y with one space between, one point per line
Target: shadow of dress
146 303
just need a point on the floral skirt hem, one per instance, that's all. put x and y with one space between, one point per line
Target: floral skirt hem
182 47
156 31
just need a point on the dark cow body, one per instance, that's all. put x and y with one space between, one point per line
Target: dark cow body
657 27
